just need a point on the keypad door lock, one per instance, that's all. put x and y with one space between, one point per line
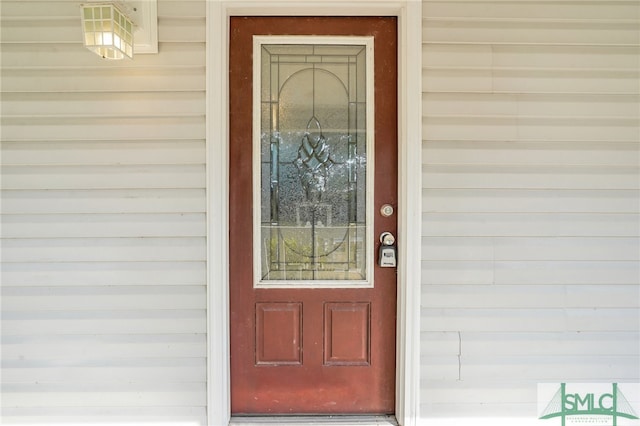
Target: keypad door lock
387 254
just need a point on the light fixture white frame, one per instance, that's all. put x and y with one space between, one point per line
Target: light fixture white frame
367 43
409 14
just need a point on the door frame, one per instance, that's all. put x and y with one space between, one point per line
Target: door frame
409 14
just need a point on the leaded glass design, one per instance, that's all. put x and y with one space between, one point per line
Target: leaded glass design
313 162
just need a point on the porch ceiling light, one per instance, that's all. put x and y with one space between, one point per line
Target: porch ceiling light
107 31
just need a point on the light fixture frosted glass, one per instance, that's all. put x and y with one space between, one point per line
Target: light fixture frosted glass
107 31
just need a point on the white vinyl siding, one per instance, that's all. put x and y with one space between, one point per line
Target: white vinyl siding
531 185
103 222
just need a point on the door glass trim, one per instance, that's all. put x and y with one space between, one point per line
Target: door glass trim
368 44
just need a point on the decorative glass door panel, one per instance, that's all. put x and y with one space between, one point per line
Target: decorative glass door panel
313 161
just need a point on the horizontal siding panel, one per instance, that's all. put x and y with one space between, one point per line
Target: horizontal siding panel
525 176
103 128
435 368
533 368
457 272
24 30
616 106
103 177
461 393
175 57
510 153
104 273
76 348
103 201
533 58
542 369
185 415
565 344
57 9
460 248
40 10
570 81
501 128
463 246
104 79
532 201
558 272
151 371
105 395
591 57
182 8
100 153
450 222
455 56
112 374
532 296
551 272
529 320
495 414
527 31
442 344
116 298
145 321
457 80
439 343
122 105
516 10
531 105
104 250
524 414
104 225
181 30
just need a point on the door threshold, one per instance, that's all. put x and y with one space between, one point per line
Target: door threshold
336 420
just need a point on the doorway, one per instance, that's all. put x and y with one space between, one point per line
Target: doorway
312 186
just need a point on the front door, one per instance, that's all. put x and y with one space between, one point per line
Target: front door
313 187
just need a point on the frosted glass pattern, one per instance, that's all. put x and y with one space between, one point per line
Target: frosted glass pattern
313 162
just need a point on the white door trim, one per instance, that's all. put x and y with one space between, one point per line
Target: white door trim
409 13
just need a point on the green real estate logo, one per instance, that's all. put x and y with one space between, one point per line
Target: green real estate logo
585 403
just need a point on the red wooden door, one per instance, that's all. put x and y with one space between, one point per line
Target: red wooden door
322 349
